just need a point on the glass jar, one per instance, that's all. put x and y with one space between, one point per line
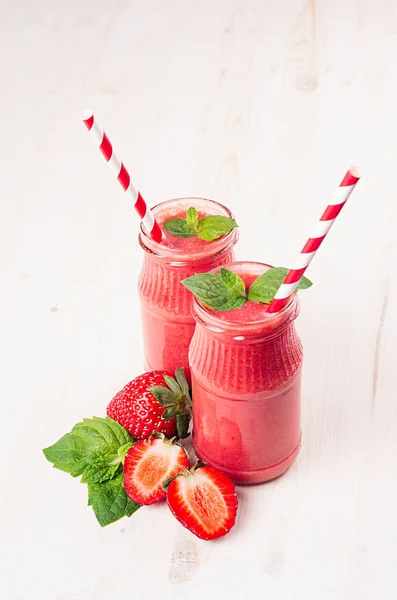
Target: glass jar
246 379
167 322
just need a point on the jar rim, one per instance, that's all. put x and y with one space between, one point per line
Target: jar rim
264 326
162 251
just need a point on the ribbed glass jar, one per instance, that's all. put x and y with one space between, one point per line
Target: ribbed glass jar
167 322
246 379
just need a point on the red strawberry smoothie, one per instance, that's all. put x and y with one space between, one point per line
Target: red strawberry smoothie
167 322
246 377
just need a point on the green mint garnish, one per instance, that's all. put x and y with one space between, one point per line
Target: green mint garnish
192 218
226 291
96 449
265 287
212 290
176 399
110 501
208 228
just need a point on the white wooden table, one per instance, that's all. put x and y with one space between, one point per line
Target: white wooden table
262 105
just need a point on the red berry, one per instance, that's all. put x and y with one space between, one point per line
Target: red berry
138 411
147 466
204 501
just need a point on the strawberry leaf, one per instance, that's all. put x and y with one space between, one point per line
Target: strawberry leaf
169 413
181 379
182 424
172 384
163 395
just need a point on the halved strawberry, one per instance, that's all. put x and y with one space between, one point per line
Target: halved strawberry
147 466
204 501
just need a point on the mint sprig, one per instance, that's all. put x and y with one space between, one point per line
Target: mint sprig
208 228
109 500
226 291
265 287
212 290
96 449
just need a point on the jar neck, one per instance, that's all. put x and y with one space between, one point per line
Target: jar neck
176 258
269 328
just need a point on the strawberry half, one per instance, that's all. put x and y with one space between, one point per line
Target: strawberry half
148 464
204 501
153 402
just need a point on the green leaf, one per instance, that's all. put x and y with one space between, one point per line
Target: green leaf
233 282
265 287
101 469
179 227
214 226
209 288
123 437
169 413
181 379
123 450
167 482
235 302
172 384
110 501
163 395
304 284
213 292
192 217
182 425
88 440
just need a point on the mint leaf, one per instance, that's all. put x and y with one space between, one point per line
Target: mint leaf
214 226
208 228
235 302
122 435
192 217
209 288
180 228
123 451
110 501
265 287
233 282
102 468
89 440
213 292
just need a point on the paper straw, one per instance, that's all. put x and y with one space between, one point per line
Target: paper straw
102 141
309 250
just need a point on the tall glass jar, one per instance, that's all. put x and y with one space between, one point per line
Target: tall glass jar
167 322
246 378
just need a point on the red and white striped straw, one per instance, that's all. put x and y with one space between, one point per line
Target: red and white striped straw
323 226
101 139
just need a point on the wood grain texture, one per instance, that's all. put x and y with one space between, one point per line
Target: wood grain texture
262 105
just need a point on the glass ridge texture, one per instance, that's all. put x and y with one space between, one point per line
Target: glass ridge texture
246 384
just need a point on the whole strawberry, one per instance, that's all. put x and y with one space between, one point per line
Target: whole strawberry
153 402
